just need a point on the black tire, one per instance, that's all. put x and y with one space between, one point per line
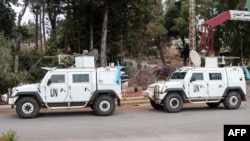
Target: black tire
155 105
27 107
173 103
91 106
104 105
213 105
232 100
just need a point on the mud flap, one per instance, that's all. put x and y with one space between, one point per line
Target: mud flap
118 102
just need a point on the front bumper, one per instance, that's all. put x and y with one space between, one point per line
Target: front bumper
12 100
147 94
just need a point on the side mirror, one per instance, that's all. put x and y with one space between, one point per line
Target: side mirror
49 82
192 79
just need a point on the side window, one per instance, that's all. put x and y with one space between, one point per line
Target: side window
197 76
215 76
79 78
57 78
178 75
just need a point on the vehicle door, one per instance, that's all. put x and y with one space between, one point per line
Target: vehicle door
197 85
57 88
80 87
216 83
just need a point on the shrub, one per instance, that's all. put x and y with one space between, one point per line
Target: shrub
9 136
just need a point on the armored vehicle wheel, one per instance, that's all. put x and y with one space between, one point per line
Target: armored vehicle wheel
104 105
155 105
173 103
232 100
27 107
91 106
213 105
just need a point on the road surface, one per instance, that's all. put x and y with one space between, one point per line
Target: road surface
134 123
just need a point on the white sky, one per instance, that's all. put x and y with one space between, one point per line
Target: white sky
27 16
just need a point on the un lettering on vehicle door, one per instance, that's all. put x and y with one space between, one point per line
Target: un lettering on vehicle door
57 90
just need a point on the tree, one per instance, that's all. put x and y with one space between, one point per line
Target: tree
104 36
127 19
54 8
176 22
36 8
157 31
43 24
128 27
19 35
7 18
6 62
5 56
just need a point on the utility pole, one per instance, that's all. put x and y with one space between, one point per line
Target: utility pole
192 35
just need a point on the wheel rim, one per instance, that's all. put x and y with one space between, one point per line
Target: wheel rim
174 103
104 106
28 108
234 100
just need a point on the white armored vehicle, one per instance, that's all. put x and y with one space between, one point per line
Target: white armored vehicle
211 85
77 87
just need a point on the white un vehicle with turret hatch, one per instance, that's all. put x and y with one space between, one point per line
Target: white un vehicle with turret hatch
77 87
211 85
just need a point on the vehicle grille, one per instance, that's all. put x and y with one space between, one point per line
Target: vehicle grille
156 92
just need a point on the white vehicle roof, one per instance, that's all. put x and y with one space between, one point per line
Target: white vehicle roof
208 68
80 69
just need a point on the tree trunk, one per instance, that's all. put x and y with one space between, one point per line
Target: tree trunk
43 21
79 41
52 14
91 40
36 44
66 44
185 51
17 50
40 31
52 18
104 37
19 36
160 49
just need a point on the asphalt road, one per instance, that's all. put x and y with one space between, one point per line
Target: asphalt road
137 123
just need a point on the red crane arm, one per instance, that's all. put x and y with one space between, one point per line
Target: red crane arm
218 20
208 26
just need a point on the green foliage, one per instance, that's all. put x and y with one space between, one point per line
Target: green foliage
128 21
6 74
25 31
7 18
177 23
31 63
12 81
5 56
9 136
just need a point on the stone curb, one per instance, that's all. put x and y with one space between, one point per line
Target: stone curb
134 100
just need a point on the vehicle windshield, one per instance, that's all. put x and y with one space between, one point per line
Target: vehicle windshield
178 75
